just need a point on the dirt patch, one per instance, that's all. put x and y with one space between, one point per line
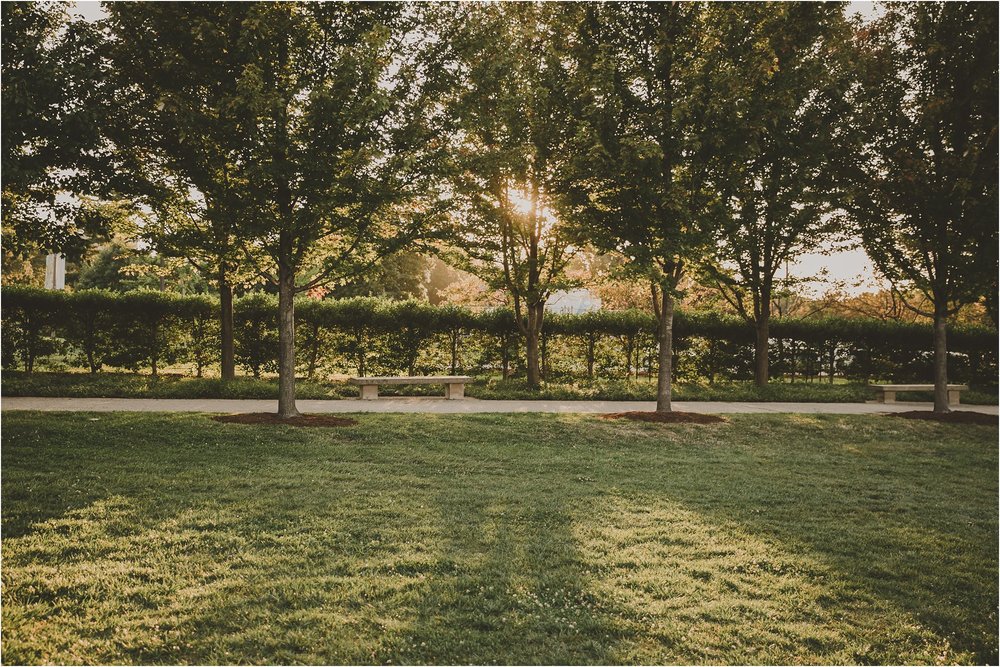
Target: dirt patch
272 418
667 417
956 417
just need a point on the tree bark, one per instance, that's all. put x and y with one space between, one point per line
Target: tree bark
531 345
531 339
762 362
154 354
454 351
226 326
591 343
940 361
361 355
544 355
505 356
313 352
833 362
666 336
286 342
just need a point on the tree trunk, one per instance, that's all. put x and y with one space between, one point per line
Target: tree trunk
531 349
940 362
154 353
314 351
793 348
545 356
591 342
762 364
226 326
454 351
505 356
286 342
531 339
666 336
360 341
629 344
833 362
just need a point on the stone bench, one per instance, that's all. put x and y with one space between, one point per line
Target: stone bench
888 391
454 385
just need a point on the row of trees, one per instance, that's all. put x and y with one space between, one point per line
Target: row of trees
298 143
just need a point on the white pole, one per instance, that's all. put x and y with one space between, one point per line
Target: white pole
55 272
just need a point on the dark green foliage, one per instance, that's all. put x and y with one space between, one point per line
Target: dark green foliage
146 329
120 268
52 142
415 324
368 336
255 320
164 385
29 322
202 341
90 325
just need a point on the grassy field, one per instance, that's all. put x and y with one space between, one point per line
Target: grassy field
135 385
498 539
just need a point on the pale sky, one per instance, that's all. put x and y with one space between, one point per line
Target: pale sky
844 266
90 10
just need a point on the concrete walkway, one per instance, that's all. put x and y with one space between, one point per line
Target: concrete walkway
442 406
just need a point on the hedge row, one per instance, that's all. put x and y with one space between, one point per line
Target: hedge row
145 329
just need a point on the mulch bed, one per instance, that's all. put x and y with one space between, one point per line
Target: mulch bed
272 418
667 417
956 417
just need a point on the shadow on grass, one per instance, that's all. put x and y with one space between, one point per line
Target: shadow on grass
529 539
913 529
512 587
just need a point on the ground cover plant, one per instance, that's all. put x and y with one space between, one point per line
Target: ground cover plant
129 385
145 538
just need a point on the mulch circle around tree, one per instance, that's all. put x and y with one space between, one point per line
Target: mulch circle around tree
667 417
956 417
272 418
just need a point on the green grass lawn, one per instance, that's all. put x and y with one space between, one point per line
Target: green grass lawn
498 539
137 385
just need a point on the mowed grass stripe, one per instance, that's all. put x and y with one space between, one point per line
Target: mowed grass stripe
564 539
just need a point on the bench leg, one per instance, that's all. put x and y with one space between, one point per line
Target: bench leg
369 391
954 397
888 397
455 390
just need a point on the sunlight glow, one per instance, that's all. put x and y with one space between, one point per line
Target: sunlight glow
520 200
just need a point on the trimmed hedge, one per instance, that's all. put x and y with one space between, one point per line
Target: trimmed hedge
144 329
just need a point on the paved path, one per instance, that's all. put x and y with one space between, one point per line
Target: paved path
442 406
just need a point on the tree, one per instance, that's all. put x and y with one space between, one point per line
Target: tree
172 123
52 146
922 189
119 268
511 131
790 61
336 150
641 184
398 277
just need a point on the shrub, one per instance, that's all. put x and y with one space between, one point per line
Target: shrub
370 335
255 332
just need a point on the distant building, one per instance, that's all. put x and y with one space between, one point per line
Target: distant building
574 301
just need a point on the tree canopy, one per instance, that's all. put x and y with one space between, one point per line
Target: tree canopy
922 187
